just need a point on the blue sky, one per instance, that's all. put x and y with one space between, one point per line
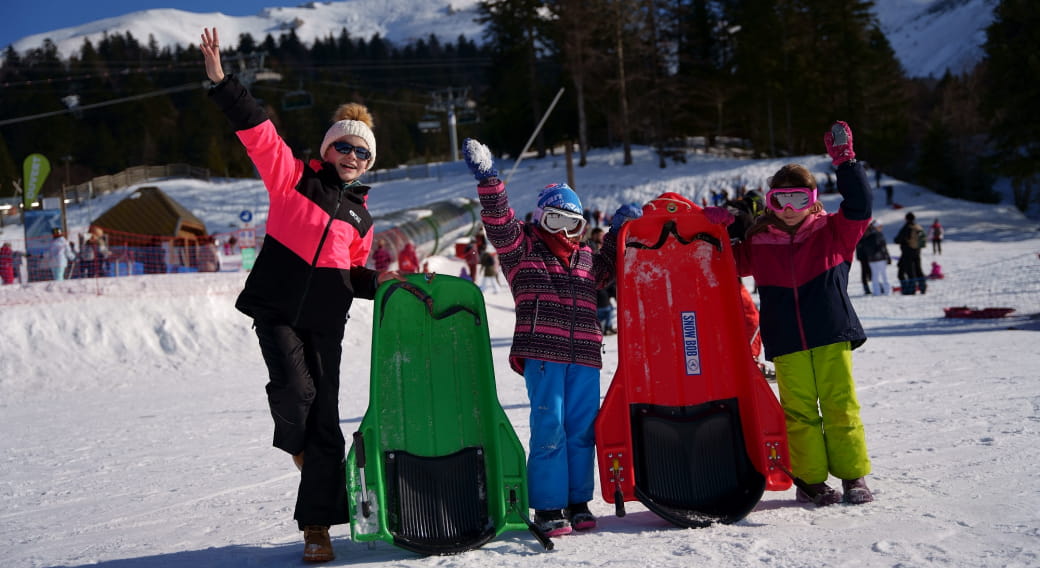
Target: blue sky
21 18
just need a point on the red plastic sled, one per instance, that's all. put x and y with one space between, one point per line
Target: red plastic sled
689 427
966 312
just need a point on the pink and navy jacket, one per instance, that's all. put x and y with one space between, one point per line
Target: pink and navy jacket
802 278
555 302
319 231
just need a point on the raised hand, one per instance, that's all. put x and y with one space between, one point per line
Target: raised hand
839 143
211 54
624 214
479 159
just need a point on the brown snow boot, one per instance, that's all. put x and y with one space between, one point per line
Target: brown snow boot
317 547
856 491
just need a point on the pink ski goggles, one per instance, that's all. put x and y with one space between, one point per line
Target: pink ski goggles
797 198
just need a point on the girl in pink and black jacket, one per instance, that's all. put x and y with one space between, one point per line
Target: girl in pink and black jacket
799 256
310 269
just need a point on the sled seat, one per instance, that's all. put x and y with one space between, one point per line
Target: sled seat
438 505
691 464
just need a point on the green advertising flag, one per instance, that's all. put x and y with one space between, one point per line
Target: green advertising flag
34 173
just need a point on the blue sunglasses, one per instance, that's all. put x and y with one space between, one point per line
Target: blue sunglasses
346 148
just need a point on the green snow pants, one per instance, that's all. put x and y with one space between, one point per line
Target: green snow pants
824 431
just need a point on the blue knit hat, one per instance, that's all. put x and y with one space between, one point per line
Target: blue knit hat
558 196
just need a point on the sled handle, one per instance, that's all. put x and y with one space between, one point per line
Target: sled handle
359 459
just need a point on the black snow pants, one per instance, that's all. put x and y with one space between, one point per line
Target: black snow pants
303 393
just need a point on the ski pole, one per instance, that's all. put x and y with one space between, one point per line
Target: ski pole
359 459
537 129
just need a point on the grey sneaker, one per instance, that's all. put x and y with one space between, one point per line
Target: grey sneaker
856 491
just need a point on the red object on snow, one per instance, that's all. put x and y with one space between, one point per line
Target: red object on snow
689 427
966 312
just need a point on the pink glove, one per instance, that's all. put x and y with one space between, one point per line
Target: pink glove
718 215
839 143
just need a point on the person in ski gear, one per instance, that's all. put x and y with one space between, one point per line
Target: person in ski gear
911 240
605 295
799 256
7 260
489 272
407 260
874 251
381 258
553 277
299 292
58 255
935 233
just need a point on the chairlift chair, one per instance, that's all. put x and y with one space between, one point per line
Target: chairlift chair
298 99
430 123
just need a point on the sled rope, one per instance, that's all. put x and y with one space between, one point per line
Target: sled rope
670 229
427 300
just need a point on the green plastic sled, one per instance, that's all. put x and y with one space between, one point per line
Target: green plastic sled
436 467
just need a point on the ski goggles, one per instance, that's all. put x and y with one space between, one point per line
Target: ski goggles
797 198
559 221
346 148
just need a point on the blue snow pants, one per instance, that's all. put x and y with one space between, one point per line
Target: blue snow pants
564 403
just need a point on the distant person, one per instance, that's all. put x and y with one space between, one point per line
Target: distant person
864 263
94 253
605 295
58 255
407 260
471 255
556 341
911 239
381 257
936 273
936 235
875 251
7 259
799 256
208 255
888 194
308 273
489 272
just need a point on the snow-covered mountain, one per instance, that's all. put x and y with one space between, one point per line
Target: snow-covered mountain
396 20
929 36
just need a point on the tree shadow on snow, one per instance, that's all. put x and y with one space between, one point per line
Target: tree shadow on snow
949 326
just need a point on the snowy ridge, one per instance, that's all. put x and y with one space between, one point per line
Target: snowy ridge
137 431
928 36
399 21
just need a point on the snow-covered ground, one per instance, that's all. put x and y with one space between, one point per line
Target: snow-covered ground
136 430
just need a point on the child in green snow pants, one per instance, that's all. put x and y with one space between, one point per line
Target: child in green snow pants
826 437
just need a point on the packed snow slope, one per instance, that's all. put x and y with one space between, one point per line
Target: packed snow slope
137 433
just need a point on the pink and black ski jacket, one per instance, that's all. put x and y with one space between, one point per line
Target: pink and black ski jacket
802 278
555 302
319 231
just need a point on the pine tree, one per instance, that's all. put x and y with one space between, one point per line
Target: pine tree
1012 66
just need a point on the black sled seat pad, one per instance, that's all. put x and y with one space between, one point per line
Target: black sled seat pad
691 464
438 505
